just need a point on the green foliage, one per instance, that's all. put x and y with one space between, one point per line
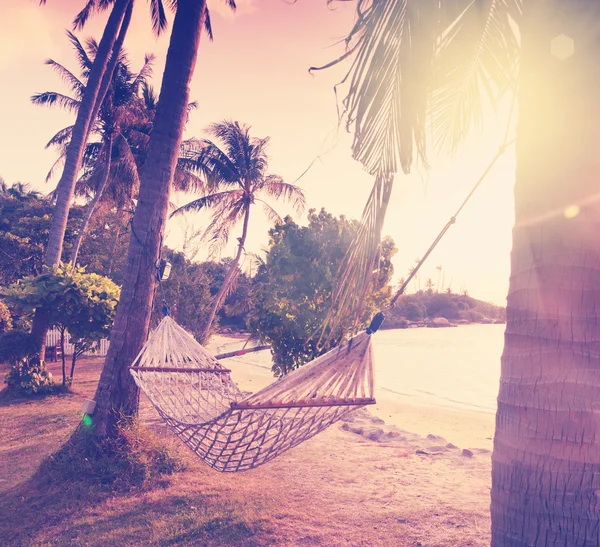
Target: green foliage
428 305
15 346
29 377
26 376
83 304
189 291
294 287
5 318
24 226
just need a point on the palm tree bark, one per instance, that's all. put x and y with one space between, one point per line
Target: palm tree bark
66 184
228 279
546 459
117 396
92 205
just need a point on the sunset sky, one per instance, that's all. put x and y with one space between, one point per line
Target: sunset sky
256 72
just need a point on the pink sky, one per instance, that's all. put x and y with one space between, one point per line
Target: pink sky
256 71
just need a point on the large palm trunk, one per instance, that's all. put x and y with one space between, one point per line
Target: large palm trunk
94 92
233 269
546 460
92 204
117 395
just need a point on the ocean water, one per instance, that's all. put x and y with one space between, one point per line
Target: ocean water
447 367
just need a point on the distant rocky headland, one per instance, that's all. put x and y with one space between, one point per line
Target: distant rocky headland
438 310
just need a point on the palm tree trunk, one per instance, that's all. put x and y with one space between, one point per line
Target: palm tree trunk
113 251
546 459
117 395
216 306
92 205
110 68
66 184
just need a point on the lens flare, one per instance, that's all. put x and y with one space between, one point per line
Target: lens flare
572 211
87 420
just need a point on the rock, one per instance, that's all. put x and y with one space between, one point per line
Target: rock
394 435
374 434
438 448
451 446
467 453
422 452
437 438
440 322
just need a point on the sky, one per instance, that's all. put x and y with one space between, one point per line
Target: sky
256 71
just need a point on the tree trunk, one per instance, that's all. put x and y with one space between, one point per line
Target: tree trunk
546 460
216 306
92 205
117 394
62 357
75 149
111 260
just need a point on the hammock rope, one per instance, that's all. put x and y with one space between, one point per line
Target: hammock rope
198 400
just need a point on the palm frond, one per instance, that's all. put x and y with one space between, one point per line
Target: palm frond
158 16
271 214
477 56
222 222
212 200
82 17
144 74
61 138
85 62
205 157
76 85
273 186
56 165
52 98
208 24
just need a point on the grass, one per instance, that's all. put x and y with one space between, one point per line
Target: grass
338 489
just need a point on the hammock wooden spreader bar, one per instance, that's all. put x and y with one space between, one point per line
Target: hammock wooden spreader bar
332 402
231 431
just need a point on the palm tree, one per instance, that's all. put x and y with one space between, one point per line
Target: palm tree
439 285
110 164
427 62
117 395
121 113
237 172
97 86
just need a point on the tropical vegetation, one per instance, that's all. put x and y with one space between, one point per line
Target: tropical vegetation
236 173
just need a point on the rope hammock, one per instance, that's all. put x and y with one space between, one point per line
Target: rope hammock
199 401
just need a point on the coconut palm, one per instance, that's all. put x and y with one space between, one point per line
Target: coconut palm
97 86
117 395
238 172
432 62
111 163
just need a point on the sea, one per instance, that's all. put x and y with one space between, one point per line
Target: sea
447 367
443 367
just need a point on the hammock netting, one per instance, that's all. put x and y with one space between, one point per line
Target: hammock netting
230 431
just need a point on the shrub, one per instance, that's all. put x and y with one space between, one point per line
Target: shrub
27 376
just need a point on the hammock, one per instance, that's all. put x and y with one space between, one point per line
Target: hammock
199 401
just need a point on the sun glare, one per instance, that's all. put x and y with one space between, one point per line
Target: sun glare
572 211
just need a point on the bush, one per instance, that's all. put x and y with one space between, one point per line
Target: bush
29 377
26 376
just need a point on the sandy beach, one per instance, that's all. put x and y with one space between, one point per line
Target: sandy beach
395 476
